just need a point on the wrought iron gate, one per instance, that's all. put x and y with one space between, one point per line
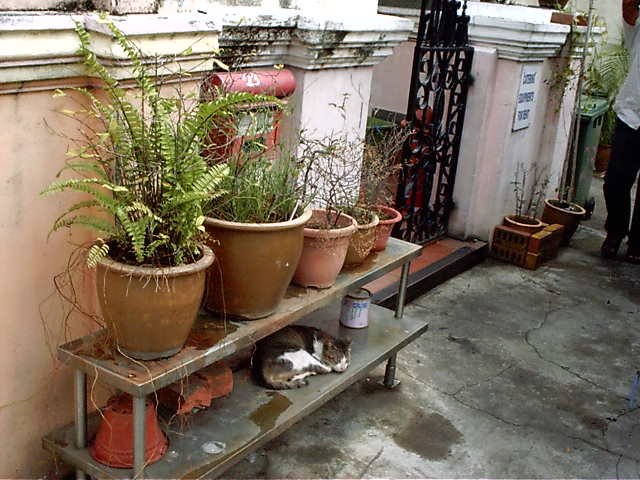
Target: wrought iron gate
437 104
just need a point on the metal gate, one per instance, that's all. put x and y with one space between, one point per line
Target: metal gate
437 104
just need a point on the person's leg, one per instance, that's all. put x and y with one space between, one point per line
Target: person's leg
633 253
619 179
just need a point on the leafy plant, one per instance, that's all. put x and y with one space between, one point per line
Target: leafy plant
605 77
334 181
529 188
259 189
139 160
380 163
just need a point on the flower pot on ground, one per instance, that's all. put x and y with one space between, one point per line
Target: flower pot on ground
255 264
113 444
326 241
388 218
150 311
140 165
602 158
564 213
256 231
523 223
362 241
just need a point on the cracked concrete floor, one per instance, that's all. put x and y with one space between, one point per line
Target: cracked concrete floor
521 375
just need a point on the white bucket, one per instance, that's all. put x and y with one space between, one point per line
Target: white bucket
355 309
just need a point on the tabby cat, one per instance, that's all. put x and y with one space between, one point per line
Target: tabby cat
286 358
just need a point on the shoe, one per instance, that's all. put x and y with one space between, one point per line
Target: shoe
633 255
610 247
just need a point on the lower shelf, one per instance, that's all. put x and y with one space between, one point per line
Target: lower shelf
252 415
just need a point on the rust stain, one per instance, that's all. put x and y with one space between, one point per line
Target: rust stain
101 349
206 334
266 416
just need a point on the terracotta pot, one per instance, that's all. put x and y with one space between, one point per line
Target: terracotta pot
522 223
385 226
602 158
255 264
553 4
150 311
324 251
361 242
113 444
556 211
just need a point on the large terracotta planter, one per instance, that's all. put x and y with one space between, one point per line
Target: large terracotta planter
523 224
113 444
255 264
362 242
388 218
150 311
324 251
564 213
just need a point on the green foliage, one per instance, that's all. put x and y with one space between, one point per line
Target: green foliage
605 77
142 165
262 190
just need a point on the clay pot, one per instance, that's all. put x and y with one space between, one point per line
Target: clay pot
255 264
523 224
113 444
150 311
362 242
602 158
553 4
385 226
324 251
563 213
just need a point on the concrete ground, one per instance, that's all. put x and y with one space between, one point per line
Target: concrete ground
522 375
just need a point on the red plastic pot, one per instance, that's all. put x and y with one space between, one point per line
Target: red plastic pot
385 226
113 444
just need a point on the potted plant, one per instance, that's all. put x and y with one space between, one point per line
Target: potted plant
529 192
256 231
328 232
607 72
146 182
380 163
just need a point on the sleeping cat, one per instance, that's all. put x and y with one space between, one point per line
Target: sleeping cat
286 358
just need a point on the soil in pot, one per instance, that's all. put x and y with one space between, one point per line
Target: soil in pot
255 265
362 240
388 218
149 311
563 213
324 249
523 224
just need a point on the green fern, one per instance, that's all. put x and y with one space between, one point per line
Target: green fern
143 169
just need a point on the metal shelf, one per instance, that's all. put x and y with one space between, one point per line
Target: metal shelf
213 338
252 415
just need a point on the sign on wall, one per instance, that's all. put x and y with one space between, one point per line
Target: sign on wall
526 100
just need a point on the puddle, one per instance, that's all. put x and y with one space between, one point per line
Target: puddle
206 334
266 416
430 436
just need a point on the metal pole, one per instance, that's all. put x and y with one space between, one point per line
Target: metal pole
80 384
138 435
402 289
390 370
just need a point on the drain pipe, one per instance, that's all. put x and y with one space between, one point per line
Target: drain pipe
578 106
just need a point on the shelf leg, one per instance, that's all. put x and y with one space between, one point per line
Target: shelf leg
138 436
390 371
80 383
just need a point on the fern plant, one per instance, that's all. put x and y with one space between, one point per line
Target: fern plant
142 167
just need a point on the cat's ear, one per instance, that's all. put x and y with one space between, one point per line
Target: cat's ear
347 341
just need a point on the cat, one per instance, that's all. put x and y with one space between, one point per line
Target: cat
286 358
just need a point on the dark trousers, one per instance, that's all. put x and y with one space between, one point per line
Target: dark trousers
618 182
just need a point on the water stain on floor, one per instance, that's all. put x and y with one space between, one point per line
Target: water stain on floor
266 416
430 436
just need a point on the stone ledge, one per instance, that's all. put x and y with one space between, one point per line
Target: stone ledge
39 47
